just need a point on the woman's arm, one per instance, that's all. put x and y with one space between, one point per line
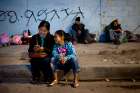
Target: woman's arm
32 44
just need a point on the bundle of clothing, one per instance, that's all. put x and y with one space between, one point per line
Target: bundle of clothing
15 40
4 39
26 37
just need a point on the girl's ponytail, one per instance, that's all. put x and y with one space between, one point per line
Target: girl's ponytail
66 36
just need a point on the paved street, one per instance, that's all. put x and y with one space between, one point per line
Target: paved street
85 87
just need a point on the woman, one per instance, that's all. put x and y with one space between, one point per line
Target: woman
113 32
40 50
64 56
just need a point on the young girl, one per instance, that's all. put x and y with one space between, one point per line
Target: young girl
64 55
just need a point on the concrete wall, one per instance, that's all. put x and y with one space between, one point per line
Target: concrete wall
128 11
18 15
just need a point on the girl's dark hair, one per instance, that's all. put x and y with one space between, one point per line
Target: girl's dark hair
66 36
44 23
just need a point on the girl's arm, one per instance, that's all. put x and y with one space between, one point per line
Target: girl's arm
72 51
55 52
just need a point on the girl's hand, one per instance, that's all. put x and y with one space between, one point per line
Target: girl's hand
62 60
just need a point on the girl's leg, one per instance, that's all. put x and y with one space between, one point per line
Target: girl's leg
76 80
55 81
54 67
75 67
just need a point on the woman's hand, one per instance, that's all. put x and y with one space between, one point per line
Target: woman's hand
79 32
36 48
118 30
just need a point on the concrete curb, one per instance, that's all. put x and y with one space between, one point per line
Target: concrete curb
86 73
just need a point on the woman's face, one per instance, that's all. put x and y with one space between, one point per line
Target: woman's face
58 38
43 31
115 23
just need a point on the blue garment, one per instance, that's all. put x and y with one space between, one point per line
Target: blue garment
102 37
70 50
42 41
70 55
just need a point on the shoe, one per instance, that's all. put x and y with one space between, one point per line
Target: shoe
35 80
75 84
53 83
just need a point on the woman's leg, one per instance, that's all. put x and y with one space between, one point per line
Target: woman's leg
46 69
74 35
112 35
35 69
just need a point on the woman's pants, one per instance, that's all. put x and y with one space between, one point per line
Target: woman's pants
115 35
41 65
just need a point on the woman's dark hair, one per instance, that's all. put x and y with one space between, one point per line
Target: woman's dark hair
112 23
44 23
62 33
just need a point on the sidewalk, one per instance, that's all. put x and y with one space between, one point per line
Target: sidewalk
97 61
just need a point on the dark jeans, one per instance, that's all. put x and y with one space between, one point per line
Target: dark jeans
70 64
39 66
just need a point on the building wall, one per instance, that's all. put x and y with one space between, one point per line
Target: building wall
19 15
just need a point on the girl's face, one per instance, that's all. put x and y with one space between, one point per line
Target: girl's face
43 31
58 38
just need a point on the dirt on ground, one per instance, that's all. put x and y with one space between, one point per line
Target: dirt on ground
128 53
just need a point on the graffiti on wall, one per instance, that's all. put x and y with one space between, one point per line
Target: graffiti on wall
42 14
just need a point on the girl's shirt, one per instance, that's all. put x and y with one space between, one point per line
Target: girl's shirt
67 49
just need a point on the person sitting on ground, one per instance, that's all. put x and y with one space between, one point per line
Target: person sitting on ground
26 37
40 50
115 31
64 57
80 34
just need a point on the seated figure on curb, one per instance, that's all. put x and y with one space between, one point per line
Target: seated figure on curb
80 34
64 57
40 50
114 31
